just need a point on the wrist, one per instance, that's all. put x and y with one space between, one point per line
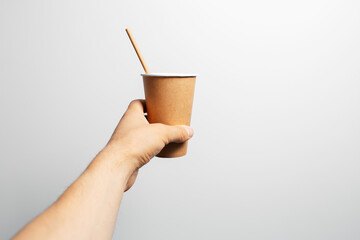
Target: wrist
125 151
115 161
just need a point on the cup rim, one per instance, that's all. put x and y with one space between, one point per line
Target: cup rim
169 75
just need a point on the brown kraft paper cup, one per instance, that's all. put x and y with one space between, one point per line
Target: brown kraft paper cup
169 100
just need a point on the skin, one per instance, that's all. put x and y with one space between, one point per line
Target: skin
89 207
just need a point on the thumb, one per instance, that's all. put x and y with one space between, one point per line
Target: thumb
178 134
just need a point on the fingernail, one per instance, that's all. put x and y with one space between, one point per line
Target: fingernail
190 131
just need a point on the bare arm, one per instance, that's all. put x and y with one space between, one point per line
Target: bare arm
88 208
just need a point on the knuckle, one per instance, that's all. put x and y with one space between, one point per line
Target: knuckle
133 102
160 127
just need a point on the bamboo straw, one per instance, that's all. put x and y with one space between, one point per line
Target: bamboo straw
137 50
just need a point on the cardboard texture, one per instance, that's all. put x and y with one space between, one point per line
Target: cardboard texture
169 100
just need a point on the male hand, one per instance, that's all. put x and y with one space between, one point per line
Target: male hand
140 141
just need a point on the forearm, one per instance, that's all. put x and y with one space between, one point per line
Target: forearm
88 208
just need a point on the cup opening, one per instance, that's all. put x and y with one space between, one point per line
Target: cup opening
169 74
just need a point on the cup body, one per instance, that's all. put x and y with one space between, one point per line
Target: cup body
169 100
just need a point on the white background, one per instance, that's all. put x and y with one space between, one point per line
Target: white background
276 113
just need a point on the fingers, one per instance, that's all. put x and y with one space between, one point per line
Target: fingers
177 134
131 180
137 105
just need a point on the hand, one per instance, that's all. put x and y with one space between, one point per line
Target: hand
94 198
140 141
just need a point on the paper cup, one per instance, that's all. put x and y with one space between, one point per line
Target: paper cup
169 100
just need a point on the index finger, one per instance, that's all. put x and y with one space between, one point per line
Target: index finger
137 105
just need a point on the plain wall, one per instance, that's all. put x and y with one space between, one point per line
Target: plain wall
276 113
